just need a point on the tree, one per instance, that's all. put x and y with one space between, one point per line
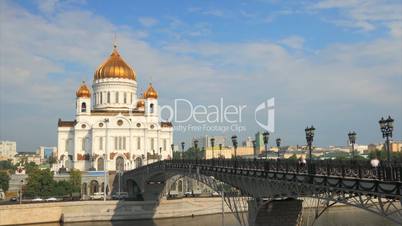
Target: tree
30 167
75 180
62 188
40 183
191 153
4 181
7 165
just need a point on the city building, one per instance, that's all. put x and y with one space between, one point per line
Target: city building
46 152
205 141
8 149
248 142
112 122
27 157
259 141
395 146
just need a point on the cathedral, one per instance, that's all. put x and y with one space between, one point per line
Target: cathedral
114 129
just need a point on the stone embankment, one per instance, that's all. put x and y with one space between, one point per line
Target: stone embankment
106 211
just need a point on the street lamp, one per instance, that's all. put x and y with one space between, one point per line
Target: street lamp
387 126
220 150
196 148
265 137
255 148
22 184
352 141
182 149
172 147
234 142
278 144
212 145
309 138
160 154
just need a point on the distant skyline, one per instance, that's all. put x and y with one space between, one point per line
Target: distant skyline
333 64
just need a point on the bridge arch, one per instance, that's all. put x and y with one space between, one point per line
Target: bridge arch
271 184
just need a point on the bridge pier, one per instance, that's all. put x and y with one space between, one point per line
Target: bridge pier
287 212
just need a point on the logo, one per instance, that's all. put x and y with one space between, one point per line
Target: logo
269 107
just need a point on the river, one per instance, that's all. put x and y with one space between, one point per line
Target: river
336 216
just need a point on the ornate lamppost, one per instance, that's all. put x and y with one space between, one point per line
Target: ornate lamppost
352 141
265 137
387 126
160 154
254 148
182 149
172 147
309 138
278 145
196 148
234 142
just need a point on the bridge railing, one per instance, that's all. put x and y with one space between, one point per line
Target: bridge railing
387 171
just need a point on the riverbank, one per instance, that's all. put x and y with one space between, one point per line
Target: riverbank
107 211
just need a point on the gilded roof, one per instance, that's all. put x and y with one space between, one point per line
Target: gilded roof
114 67
83 91
150 92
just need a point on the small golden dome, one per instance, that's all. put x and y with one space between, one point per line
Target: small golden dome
151 92
140 103
114 67
83 91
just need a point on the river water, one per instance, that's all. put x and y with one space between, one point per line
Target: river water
336 216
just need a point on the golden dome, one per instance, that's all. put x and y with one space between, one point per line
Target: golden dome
114 67
83 91
151 92
140 103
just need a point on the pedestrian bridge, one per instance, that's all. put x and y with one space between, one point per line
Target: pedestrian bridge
257 183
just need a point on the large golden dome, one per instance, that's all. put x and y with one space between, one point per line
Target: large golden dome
83 91
151 92
114 67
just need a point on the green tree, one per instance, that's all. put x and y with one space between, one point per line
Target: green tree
75 180
191 153
40 183
62 188
31 167
7 165
4 181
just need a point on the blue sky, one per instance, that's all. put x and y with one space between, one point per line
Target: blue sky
334 64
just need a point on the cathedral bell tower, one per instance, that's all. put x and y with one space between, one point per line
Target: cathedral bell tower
83 102
151 101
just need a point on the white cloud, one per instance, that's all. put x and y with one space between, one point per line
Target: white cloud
295 42
364 14
148 21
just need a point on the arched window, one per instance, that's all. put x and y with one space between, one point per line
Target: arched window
125 98
93 187
119 164
108 97
117 97
83 107
151 108
101 99
100 164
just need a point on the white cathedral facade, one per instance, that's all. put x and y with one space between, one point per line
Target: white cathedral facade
113 128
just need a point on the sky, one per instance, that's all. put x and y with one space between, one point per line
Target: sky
333 64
